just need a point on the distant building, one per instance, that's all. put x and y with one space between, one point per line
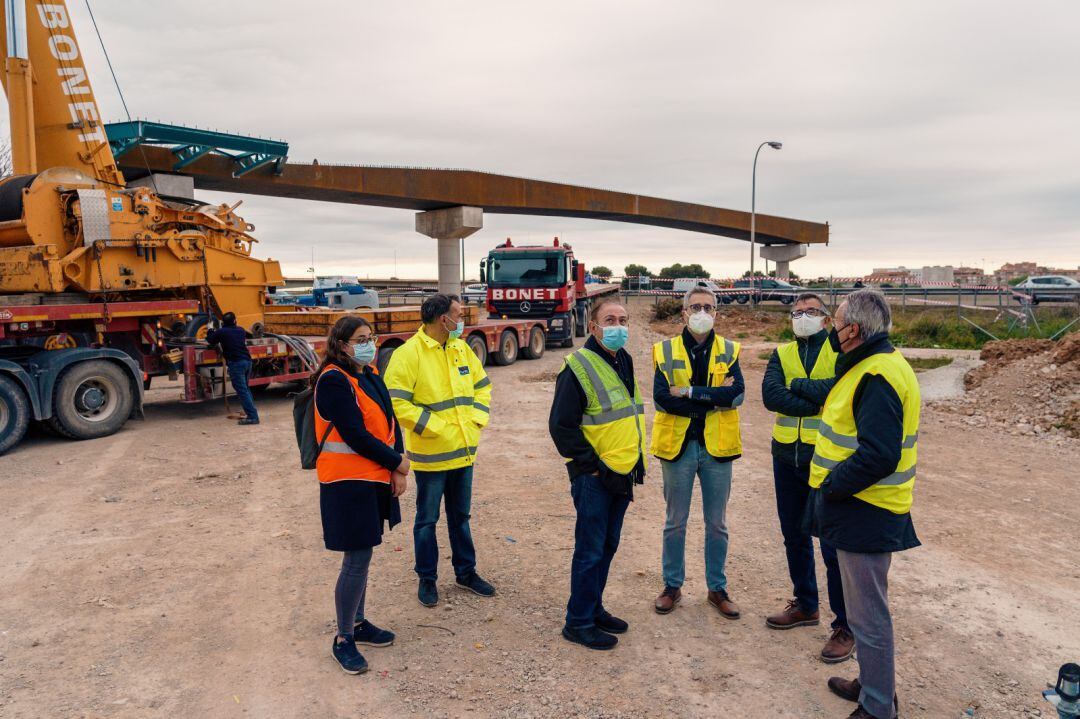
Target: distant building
938 274
1017 270
895 276
969 276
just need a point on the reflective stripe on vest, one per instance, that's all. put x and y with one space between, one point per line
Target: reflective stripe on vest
838 433
337 461
614 422
788 429
722 433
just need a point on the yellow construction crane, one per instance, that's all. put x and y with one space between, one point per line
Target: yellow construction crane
69 223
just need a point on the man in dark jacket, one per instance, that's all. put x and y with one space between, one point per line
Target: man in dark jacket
794 436
862 475
233 342
601 493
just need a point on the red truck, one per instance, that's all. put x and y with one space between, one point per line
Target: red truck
541 282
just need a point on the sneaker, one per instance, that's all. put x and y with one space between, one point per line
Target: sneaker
475 584
839 648
370 635
249 420
348 657
611 624
428 594
665 603
792 616
590 637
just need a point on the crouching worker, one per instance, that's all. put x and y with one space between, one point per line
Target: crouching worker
361 472
597 424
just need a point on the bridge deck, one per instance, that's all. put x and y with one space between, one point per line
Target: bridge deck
428 189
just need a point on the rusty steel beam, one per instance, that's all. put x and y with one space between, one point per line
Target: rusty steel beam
426 189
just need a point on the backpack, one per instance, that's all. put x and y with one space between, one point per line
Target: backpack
304 423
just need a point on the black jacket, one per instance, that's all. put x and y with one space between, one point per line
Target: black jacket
836 515
704 398
564 424
232 341
778 398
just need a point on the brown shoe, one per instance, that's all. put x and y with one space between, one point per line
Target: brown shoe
792 616
839 648
667 600
723 604
845 688
861 713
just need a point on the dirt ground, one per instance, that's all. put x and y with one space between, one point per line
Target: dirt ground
177 569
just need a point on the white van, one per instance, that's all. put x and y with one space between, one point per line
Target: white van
685 284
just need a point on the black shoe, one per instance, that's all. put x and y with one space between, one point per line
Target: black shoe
611 624
367 633
348 657
428 594
475 584
248 420
591 637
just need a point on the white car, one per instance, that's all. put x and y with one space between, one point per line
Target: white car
1050 288
475 293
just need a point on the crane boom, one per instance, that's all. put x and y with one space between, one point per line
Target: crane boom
55 120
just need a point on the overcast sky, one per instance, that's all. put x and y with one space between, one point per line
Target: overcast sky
924 132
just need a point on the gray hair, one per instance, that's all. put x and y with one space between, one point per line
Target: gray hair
813 296
699 289
870 310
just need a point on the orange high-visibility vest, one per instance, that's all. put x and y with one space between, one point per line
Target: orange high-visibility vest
338 462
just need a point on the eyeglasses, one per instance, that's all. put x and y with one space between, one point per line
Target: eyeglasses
361 341
703 308
812 312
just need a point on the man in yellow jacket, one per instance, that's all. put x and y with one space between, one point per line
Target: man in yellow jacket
442 399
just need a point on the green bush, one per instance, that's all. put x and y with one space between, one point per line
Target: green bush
667 307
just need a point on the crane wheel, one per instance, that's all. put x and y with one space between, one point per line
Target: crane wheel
197 327
537 343
92 399
506 353
14 413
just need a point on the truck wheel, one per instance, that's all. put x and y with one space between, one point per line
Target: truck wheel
579 326
537 343
197 327
92 399
14 414
507 351
478 344
569 341
384 358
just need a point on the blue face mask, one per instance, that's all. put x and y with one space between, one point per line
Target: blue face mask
615 337
364 354
456 332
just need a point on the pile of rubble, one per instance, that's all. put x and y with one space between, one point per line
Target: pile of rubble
1025 387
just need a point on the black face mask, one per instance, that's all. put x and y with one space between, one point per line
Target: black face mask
834 340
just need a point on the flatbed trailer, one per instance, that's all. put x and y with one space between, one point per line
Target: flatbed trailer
81 368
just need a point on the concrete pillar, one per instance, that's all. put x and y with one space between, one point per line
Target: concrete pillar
172 185
449 226
783 256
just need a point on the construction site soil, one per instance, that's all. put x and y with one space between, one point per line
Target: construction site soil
177 569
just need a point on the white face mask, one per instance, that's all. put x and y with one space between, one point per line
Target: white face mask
700 322
807 325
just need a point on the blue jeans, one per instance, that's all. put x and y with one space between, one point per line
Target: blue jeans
715 478
238 374
792 495
596 539
455 485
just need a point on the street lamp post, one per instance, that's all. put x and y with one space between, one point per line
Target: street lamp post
753 215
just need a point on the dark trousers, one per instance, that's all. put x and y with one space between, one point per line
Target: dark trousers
454 486
238 374
596 539
792 496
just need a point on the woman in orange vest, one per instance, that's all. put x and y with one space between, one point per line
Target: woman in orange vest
362 471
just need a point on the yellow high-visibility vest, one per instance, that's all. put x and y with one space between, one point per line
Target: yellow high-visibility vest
441 398
722 435
614 422
788 429
838 435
